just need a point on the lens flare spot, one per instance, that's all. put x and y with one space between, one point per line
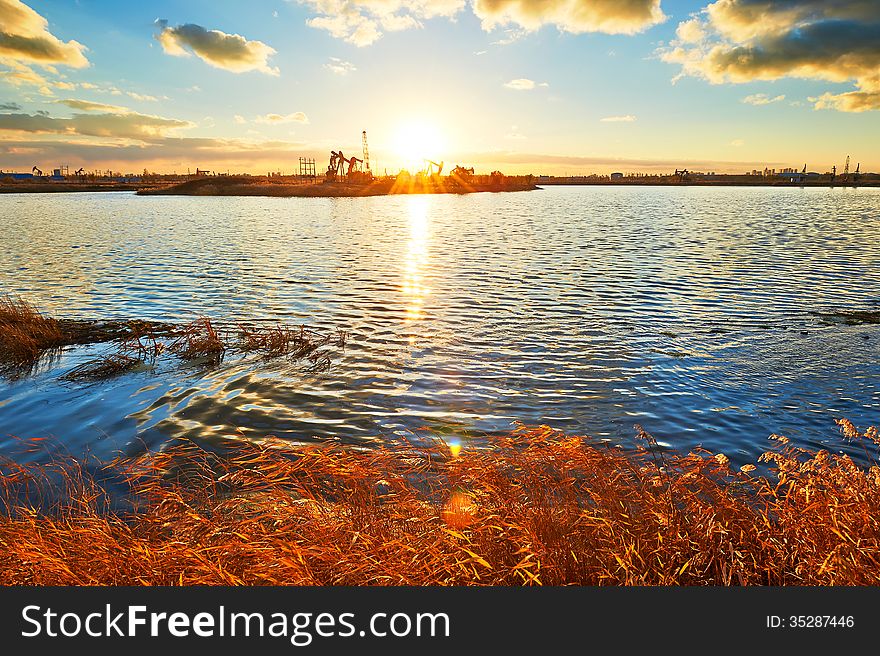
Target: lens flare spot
460 510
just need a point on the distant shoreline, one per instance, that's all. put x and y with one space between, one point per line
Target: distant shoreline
710 183
65 187
216 186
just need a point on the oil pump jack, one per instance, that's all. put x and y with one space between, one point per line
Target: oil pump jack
429 169
335 168
353 165
36 171
682 174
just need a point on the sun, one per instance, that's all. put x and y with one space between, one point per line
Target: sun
417 141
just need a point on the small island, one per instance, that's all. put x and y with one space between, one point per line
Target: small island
294 186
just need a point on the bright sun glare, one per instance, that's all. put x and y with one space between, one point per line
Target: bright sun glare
416 142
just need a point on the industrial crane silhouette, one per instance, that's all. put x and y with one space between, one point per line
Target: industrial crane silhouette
366 159
429 170
682 174
846 170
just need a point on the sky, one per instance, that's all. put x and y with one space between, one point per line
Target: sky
524 86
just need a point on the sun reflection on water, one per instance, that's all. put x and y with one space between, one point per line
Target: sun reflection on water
413 286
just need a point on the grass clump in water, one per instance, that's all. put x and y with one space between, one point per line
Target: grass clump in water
287 341
25 334
200 340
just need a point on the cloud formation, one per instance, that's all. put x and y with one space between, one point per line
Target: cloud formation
762 99
89 106
524 84
743 40
339 67
276 119
25 38
119 125
627 118
363 22
231 52
575 16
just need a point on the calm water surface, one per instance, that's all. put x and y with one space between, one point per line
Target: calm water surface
686 310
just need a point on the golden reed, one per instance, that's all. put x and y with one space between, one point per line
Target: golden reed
536 507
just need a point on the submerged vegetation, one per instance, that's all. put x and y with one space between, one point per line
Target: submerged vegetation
850 317
536 508
27 336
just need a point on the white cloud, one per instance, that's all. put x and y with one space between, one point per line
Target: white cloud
626 118
512 36
339 66
762 99
363 22
276 119
737 41
231 52
25 38
141 96
524 84
575 16
89 106
737 143
116 125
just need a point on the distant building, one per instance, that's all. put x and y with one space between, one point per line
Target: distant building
792 176
617 176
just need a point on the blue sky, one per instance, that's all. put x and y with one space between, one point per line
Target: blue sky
443 87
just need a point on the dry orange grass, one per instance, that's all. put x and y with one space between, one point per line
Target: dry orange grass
200 339
25 334
283 340
536 508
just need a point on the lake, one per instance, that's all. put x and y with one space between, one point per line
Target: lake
691 311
